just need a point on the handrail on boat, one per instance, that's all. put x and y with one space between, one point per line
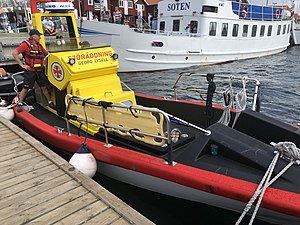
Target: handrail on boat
259 12
104 120
255 95
152 118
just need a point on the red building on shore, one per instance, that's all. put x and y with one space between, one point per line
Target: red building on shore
130 9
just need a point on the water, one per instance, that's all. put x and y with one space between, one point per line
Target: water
278 74
280 81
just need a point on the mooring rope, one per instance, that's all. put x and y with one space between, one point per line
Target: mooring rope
241 100
287 150
228 103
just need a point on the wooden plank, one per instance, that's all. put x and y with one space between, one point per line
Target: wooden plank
14 147
106 217
20 142
15 154
20 205
27 176
59 211
23 195
8 135
117 206
19 159
30 183
14 150
22 167
120 221
46 207
84 214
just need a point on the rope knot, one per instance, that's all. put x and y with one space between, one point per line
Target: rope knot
288 150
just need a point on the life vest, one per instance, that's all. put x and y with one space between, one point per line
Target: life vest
35 58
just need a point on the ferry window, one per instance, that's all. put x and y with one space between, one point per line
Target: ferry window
245 30
176 25
211 9
288 30
212 28
235 30
284 29
254 30
262 30
162 26
270 30
224 29
278 29
194 27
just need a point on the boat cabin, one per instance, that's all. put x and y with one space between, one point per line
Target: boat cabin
75 66
203 18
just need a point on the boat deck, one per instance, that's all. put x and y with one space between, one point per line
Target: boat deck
37 186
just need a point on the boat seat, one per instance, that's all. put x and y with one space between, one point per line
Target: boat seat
258 125
105 87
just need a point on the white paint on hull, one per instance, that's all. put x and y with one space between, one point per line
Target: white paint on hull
183 49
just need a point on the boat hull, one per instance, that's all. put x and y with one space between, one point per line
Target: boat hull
162 186
138 52
178 180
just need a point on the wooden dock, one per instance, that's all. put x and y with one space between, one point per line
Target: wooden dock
39 187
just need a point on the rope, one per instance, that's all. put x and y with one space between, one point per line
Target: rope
228 102
241 101
287 150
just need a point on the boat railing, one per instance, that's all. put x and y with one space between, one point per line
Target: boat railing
167 33
148 125
223 83
259 12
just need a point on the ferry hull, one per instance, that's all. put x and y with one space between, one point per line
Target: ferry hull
137 53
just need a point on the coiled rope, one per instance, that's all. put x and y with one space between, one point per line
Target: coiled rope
240 100
228 103
286 150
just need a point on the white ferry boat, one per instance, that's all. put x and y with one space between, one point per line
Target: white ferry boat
197 32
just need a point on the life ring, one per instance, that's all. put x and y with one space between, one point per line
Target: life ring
244 11
277 14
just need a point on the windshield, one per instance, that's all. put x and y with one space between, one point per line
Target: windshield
60 35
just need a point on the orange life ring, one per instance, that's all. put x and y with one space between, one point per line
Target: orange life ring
244 11
277 14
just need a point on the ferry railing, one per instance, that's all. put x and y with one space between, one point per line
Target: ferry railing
257 12
222 82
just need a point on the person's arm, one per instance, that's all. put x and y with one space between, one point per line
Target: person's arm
15 54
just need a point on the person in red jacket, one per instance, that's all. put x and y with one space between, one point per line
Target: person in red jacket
33 54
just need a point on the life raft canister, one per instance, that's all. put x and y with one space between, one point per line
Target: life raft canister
35 58
244 11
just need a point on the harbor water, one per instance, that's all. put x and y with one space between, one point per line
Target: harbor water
280 80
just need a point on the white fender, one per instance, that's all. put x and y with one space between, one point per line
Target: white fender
6 112
84 161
